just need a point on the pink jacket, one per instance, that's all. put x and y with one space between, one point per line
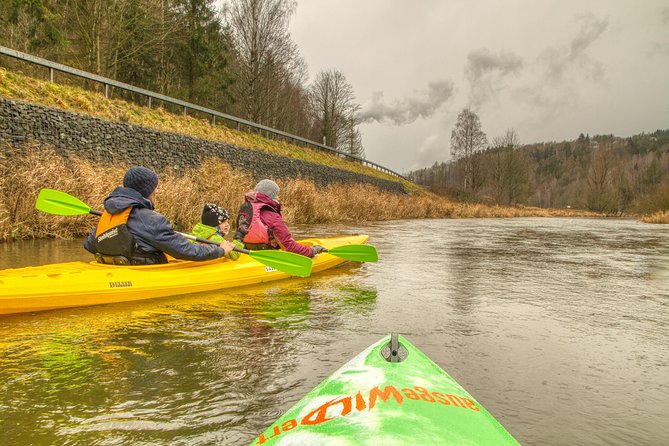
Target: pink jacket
270 214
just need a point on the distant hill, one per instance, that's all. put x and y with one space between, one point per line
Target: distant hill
602 173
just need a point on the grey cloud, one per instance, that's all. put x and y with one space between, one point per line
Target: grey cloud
485 72
482 61
561 72
559 61
589 32
407 110
658 50
547 104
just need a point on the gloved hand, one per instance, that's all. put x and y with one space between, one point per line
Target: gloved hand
234 255
317 249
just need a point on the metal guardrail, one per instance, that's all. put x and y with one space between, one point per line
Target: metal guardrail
53 66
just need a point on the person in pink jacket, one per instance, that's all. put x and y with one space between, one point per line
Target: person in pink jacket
261 226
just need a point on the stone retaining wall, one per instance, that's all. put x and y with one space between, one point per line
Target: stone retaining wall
102 140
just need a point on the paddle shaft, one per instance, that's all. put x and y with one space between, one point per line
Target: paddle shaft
56 202
210 242
188 236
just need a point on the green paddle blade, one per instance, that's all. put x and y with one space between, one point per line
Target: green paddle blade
288 262
357 253
59 203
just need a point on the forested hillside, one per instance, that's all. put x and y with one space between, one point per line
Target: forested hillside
234 56
602 173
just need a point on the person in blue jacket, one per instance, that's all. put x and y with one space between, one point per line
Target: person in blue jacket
131 232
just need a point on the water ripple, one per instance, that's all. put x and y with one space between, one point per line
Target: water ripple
558 326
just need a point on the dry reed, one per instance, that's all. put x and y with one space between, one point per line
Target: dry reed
181 195
657 217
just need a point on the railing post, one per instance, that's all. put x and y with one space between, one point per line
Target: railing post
50 74
149 101
106 90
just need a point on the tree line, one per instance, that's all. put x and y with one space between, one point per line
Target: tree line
603 173
239 59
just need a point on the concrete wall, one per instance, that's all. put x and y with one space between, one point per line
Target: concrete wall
101 140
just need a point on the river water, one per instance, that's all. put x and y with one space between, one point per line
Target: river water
559 327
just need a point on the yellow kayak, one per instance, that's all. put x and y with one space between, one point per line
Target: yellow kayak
74 284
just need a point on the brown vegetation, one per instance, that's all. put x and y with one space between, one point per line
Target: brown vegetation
658 217
421 204
610 175
181 196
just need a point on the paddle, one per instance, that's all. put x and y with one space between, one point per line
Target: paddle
358 253
288 262
56 202
60 203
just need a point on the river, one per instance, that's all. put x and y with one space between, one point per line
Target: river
559 327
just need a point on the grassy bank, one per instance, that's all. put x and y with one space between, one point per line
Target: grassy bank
180 197
37 91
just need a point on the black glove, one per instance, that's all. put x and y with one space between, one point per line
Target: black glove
317 249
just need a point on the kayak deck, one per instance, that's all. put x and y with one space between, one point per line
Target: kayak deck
75 284
371 401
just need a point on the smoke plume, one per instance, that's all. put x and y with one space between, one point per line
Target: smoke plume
559 61
486 71
407 110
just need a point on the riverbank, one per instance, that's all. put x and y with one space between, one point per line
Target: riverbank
658 217
310 204
181 196
73 98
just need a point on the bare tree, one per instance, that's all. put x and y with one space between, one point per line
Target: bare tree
97 29
352 140
509 139
467 138
601 195
335 111
507 169
289 102
266 54
29 25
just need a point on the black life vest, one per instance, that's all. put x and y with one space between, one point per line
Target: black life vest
112 236
115 244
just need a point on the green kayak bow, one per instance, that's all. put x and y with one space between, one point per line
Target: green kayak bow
390 394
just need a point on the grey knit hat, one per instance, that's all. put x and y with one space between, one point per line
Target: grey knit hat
142 179
267 187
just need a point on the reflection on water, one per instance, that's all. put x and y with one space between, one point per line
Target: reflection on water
558 326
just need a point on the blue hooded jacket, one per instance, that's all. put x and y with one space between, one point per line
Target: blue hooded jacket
152 231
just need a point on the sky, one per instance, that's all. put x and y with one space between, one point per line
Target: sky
547 69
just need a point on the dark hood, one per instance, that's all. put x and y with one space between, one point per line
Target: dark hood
123 197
